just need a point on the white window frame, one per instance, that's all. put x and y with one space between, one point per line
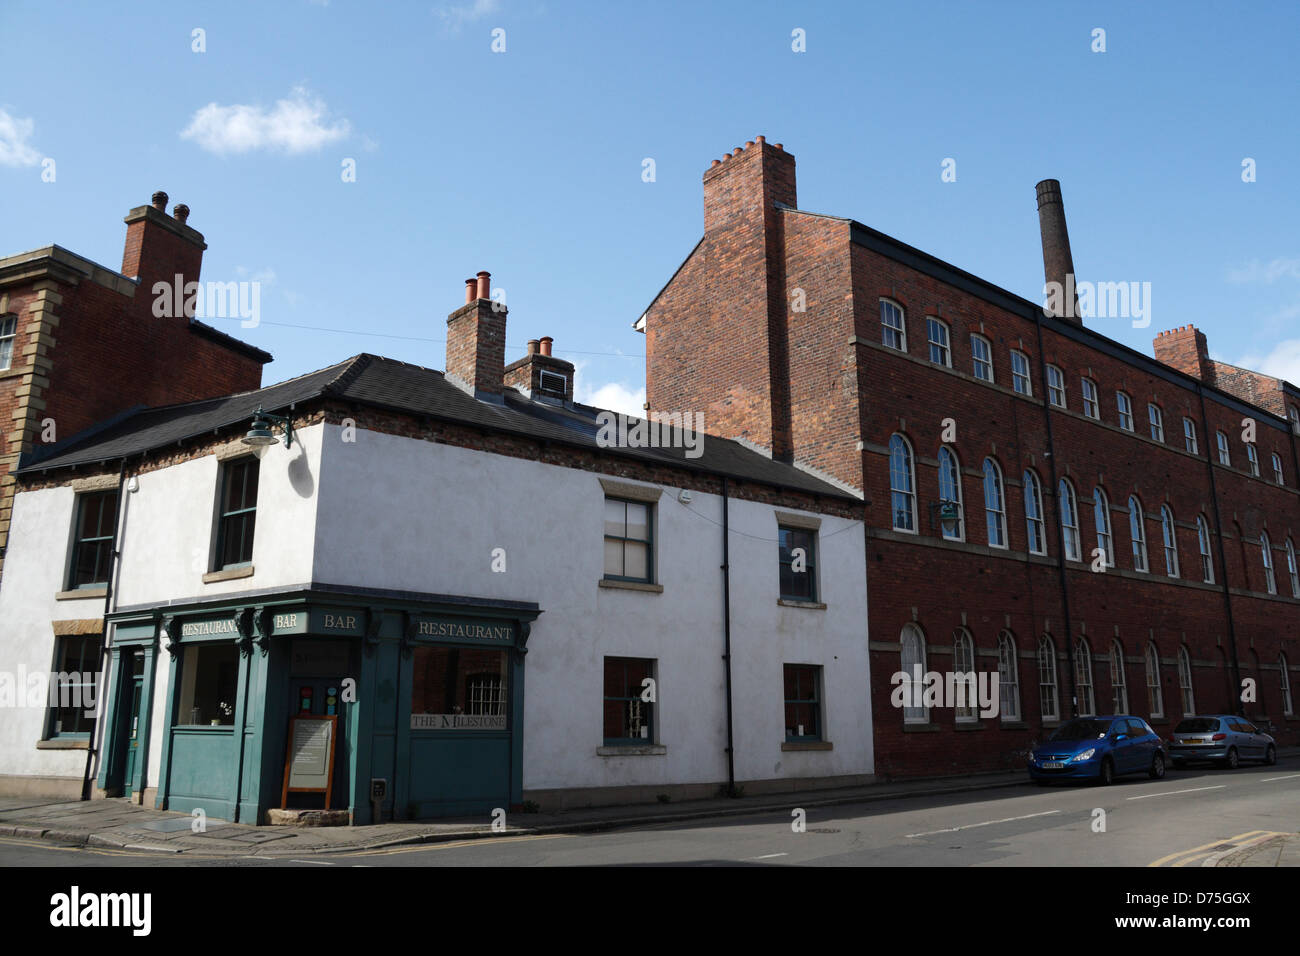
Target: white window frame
1083 678
1047 683
978 344
995 511
1291 569
1088 388
1101 522
889 333
1035 529
1156 417
1225 456
1056 386
1008 677
963 662
908 492
8 340
1155 695
1118 681
1124 410
912 715
933 326
1189 436
1203 545
1186 687
1021 380
1277 469
1266 549
1288 705
1169 535
1138 534
1069 520
1252 456
953 480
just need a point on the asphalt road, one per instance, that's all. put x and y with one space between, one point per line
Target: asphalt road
1179 821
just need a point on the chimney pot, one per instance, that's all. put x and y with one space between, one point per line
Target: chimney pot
716 162
181 212
737 151
532 346
759 139
545 344
471 290
778 146
160 201
485 285
748 143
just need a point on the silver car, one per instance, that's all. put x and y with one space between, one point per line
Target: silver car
1222 738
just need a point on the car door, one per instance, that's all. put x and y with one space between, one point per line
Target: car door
1144 743
1254 743
1121 750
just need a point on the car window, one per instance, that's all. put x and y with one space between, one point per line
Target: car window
1197 725
1247 728
1137 728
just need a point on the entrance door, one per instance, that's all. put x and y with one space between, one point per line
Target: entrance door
134 730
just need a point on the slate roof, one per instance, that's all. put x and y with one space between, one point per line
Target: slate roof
385 383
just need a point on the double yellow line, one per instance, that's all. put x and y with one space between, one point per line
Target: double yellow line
1199 853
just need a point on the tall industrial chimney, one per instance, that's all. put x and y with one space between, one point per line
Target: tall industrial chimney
1058 264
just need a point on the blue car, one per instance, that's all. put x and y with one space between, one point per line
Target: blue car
1099 749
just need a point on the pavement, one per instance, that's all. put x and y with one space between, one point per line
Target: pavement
119 824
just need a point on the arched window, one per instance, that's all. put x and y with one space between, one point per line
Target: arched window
1137 530
1252 456
1155 700
1124 406
1285 679
1203 544
1291 569
902 484
1118 684
1225 457
1008 677
1257 672
963 663
950 490
1034 514
1157 419
994 505
893 329
1101 521
1277 469
8 336
936 331
1083 678
912 659
1266 549
1185 681
1170 537
1069 520
1047 679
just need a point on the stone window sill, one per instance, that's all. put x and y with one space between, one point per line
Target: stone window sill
1014 725
919 728
80 593
230 574
812 605
968 725
631 586
64 743
806 745
632 750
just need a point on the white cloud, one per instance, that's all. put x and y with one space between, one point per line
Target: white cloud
1283 361
615 396
456 15
15 140
297 124
1255 271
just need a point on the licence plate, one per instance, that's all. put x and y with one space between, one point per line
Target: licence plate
1053 765
1190 740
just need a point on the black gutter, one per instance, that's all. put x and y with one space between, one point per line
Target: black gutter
101 681
1234 669
1060 531
726 635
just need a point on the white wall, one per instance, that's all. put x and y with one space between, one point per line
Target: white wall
397 513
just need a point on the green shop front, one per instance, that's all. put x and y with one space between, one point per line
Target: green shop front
418 699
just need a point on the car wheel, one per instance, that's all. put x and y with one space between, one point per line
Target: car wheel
1157 770
1270 756
1232 761
1107 775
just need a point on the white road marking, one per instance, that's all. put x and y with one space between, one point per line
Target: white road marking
316 862
1170 793
1294 776
986 823
768 856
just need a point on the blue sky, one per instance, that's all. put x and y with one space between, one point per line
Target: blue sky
528 162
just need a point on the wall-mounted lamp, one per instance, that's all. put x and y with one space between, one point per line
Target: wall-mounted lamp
260 435
948 518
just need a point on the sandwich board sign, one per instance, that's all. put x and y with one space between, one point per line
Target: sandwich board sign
309 764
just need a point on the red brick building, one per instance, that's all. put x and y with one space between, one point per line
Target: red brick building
80 343
1120 543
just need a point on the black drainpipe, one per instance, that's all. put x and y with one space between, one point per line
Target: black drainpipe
101 682
1210 452
1060 532
726 634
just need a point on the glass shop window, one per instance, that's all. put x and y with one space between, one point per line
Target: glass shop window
209 685
459 688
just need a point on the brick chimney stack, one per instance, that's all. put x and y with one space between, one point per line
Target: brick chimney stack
746 182
541 374
1058 263
1185 348
476 341
159 247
